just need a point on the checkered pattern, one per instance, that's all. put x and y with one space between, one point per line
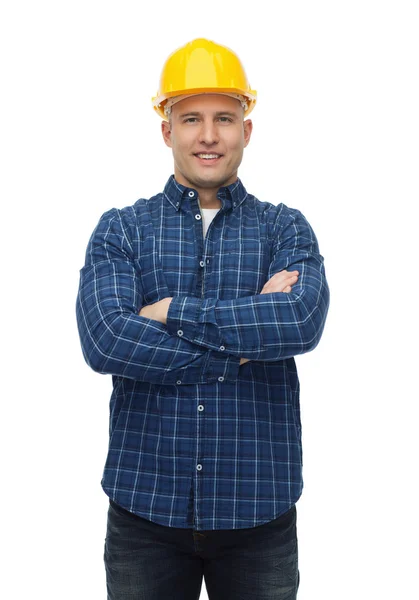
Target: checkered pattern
196 440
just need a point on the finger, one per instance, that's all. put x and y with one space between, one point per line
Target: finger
283 276
279 281
287 289
278 286
281 285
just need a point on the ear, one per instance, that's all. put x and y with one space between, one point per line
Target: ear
166 130
248 128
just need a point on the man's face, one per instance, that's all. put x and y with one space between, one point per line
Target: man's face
207 135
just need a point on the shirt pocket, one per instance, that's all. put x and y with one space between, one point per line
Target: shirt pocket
244 268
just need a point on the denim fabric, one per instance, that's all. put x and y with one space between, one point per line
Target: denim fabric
148 561
187 421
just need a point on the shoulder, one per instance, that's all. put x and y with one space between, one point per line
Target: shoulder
276 215
129 216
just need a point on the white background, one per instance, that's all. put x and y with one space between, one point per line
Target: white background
336 136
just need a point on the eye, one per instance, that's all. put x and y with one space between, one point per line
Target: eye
225 119
190 120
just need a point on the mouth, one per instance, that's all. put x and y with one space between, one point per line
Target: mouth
208 157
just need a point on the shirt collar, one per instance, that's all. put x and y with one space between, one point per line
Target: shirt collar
231 196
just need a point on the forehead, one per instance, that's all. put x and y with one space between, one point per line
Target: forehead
207 103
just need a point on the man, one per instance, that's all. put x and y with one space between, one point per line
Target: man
196 301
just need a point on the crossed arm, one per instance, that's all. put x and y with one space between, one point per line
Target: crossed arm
195 340
279 282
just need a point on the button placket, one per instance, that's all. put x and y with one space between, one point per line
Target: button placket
199 241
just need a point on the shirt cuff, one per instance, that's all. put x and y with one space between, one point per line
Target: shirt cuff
182 316
218 367
223 367
183 320
194 320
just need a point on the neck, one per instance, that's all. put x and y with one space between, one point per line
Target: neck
208 199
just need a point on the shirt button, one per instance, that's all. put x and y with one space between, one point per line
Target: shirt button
222 348
191 194
178 382
199 467
180 332
202 264
198 217
221 379
200 407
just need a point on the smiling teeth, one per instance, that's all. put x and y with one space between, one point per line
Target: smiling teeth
208 155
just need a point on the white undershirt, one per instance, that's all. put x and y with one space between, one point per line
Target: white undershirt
207 216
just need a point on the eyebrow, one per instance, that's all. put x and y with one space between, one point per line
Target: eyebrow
220 113
226 113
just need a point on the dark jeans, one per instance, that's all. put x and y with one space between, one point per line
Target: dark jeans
147 561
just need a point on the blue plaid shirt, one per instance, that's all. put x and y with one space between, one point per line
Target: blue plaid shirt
196 440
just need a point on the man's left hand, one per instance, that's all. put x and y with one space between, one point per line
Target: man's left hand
157 311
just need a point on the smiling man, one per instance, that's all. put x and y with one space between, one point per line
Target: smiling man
196 301
207 136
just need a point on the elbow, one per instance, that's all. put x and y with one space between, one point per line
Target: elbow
96 340
310 338
94 356
314 320
95 363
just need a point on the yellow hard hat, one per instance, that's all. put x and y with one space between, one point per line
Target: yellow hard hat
199 67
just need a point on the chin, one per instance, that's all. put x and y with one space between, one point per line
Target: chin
213 182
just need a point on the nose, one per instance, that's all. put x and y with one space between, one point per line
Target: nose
208 133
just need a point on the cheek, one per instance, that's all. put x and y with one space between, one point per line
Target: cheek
182 147
177 148
236 141
236 148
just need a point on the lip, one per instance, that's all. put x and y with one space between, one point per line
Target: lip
208 161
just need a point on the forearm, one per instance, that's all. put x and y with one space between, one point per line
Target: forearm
263 327
268 326
158 312
116 340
